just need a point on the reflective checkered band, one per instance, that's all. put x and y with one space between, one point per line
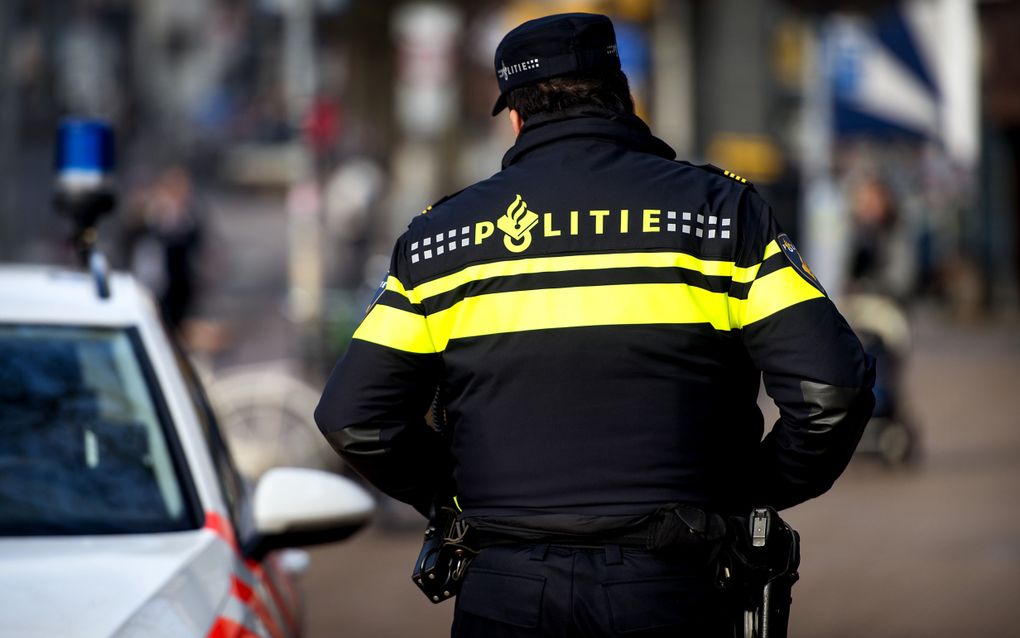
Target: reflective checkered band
440 243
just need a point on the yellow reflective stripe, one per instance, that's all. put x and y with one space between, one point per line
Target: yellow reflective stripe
392 283
625 304
575 262
394 328
745 275
774 292
620 304
584 262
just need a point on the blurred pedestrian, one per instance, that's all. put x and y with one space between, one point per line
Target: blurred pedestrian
591 324
353 191
165 235
883 259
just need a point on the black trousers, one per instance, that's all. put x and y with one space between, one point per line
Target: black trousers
540 590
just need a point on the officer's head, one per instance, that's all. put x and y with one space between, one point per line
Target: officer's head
560 62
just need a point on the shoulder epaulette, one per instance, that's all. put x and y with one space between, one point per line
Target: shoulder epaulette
742 180
712 168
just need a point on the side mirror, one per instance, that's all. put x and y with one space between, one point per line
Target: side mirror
297 506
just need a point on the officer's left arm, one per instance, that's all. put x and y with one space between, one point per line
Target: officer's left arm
812 363
373 408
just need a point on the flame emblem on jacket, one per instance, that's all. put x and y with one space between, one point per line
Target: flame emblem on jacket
517 224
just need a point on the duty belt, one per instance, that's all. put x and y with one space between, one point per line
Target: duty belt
671 526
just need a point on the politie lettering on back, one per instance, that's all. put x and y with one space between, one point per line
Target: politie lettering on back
519 225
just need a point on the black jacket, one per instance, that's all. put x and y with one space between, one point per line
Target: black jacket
597 316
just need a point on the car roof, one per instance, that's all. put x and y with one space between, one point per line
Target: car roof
54 295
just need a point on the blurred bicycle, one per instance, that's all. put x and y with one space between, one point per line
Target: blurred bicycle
266 413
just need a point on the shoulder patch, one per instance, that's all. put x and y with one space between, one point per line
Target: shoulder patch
798 263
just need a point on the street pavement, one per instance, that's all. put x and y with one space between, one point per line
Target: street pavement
932 549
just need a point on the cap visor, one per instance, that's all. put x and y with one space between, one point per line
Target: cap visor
500 105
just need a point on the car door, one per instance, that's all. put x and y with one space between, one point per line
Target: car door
263 600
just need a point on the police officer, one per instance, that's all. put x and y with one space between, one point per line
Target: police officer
595 318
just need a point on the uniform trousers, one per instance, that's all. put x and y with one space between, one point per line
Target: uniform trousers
517 591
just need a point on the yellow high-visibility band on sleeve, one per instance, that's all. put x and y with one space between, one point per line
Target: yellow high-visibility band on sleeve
743 275
397 329
392 283
772 293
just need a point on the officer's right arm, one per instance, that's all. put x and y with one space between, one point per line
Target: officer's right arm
373 408
812 363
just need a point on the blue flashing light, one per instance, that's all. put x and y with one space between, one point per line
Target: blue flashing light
85 146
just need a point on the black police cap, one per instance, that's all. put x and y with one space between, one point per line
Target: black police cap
552 46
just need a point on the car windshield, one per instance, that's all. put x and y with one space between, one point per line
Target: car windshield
83 448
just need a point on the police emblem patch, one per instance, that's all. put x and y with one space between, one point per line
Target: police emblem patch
798 263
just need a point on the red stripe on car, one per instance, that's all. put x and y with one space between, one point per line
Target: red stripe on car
226 628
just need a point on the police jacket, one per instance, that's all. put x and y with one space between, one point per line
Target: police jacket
597 317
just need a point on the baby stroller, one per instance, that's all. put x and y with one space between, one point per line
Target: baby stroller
883 329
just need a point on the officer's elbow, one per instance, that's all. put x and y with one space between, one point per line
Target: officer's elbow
814 453
837 410
347 437
334 427
323 418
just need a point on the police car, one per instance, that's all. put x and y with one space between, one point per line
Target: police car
121 511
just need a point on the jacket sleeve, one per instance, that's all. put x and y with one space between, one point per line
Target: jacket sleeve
373 408
812 363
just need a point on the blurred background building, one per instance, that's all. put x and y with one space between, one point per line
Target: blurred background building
345 118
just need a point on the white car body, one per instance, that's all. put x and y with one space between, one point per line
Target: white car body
193 582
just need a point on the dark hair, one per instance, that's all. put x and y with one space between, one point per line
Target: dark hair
606 89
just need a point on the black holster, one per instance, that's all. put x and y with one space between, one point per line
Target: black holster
757 565
678 525
447 551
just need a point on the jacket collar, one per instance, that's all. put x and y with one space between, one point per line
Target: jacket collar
628 130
